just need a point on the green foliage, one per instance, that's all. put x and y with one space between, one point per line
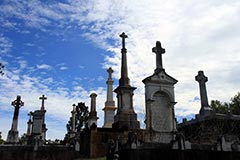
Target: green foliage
232 107
1 140
82 115
220 107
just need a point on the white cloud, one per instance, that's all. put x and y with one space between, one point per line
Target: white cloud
5 45
44 66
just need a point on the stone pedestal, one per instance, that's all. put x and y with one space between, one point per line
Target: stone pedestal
12 136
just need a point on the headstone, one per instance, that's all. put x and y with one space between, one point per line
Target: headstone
126 117
13 132
37 123
205 108
160 101
109 109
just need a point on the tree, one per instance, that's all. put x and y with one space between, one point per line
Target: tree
233 106
82 115
1 140
220 107
1 69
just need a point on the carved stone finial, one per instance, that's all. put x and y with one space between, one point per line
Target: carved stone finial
110 71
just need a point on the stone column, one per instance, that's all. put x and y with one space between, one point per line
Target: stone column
205 108
13 133
110 108
73 118
93 113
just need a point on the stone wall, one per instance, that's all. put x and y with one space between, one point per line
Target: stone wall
157 154
8 152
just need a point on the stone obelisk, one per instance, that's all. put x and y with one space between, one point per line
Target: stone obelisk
93 113
125 118
205 108
13 133
109 109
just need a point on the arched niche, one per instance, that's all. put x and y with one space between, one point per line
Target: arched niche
161 112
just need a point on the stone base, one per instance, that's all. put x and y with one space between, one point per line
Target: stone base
126 120
107 125
12 137
160 137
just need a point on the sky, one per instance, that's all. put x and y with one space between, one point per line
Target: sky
62 48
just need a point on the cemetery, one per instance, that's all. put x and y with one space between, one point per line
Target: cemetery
209 135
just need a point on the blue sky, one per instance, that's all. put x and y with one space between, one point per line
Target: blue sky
63 48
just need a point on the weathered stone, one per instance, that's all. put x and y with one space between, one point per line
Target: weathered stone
37 123
93 113
160 101
109 109
125 117
13 133
44 128
205 108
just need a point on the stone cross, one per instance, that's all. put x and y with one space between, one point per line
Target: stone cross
43 98
159 51
202 79
124 80
17 104
123 36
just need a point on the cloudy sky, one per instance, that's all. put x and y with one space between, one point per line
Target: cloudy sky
63 48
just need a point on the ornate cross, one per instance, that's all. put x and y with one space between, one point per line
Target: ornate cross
159 51
201 78
18 103
43 98
123 36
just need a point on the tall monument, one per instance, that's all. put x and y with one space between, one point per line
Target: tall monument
44 128
93 113
205 108
13 132
109 109
126 117
160 101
